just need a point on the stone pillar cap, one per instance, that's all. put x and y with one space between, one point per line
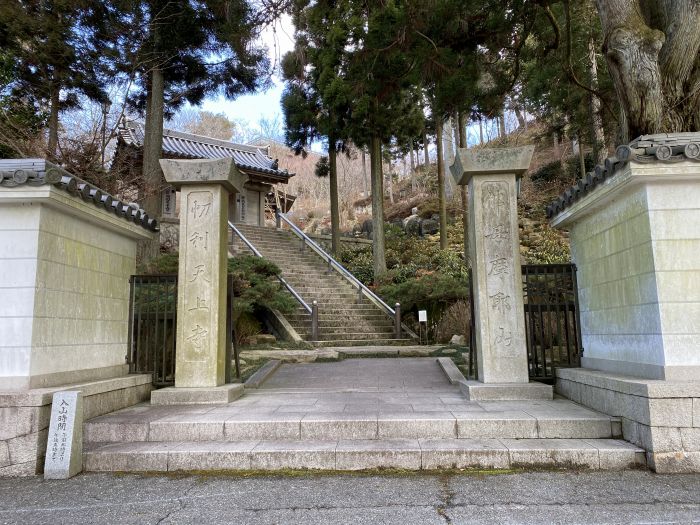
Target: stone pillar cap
204 171
490 161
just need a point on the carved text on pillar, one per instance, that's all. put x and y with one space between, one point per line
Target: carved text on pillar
198 272
499 255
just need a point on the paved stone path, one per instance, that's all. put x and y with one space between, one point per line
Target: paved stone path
538 497
366 375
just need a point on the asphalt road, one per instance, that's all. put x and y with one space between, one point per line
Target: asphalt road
535 497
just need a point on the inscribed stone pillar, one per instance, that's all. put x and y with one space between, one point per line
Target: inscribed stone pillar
495 255
205 187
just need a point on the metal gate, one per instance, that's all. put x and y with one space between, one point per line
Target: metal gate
552 327
153 328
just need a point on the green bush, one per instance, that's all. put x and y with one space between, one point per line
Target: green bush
551 249
256 286
420 275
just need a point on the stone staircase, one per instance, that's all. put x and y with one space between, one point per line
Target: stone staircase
357 414
250 435
345 317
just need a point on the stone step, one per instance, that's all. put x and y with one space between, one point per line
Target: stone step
339 322
408 454
355 336
232 424
363 342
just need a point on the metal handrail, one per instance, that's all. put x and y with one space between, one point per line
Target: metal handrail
291 290
364 290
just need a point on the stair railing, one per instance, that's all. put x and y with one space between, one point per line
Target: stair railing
311 310
394 313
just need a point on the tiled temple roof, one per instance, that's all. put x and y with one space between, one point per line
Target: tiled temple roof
37 172
664 147
186 145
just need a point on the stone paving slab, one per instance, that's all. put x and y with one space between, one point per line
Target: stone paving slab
411 415
408 454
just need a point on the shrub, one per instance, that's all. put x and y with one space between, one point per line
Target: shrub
550 250
420 275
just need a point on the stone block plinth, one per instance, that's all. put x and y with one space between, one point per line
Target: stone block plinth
197 396
495 256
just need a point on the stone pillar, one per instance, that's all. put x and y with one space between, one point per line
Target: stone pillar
496 275
200 363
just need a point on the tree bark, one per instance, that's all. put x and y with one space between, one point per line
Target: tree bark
502 125
54 109
596 118
442 202
481 131
335 212
364 172
463 189
653 54
425 147
152 152
413 160
378 246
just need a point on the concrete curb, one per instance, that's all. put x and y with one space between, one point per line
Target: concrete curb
451 371
263 374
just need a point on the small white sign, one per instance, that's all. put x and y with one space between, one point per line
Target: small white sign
169 197
422 316
64 449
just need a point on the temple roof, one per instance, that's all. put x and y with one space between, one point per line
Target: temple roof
249 159
662 147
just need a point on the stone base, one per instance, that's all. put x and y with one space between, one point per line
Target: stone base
197 396
25 415
663 417
476 391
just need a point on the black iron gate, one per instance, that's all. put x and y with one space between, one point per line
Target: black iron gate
153 328
552 327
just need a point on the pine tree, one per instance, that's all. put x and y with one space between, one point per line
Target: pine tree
190 50
56 48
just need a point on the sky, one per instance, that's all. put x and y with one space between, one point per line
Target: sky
279 39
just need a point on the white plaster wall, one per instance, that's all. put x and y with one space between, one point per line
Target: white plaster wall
636 242
253 211
81 308
64 286
674 212
620 319
19 231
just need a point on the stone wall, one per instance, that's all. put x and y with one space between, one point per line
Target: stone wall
662 417
24 417
66 255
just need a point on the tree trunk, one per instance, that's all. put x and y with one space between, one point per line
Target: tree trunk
596 118
481 130
378 248
442 202
463 189
364 172
54 109
333 180
152 152
425 148
502 125
413 160
522 123
390 184
653 54
581 157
